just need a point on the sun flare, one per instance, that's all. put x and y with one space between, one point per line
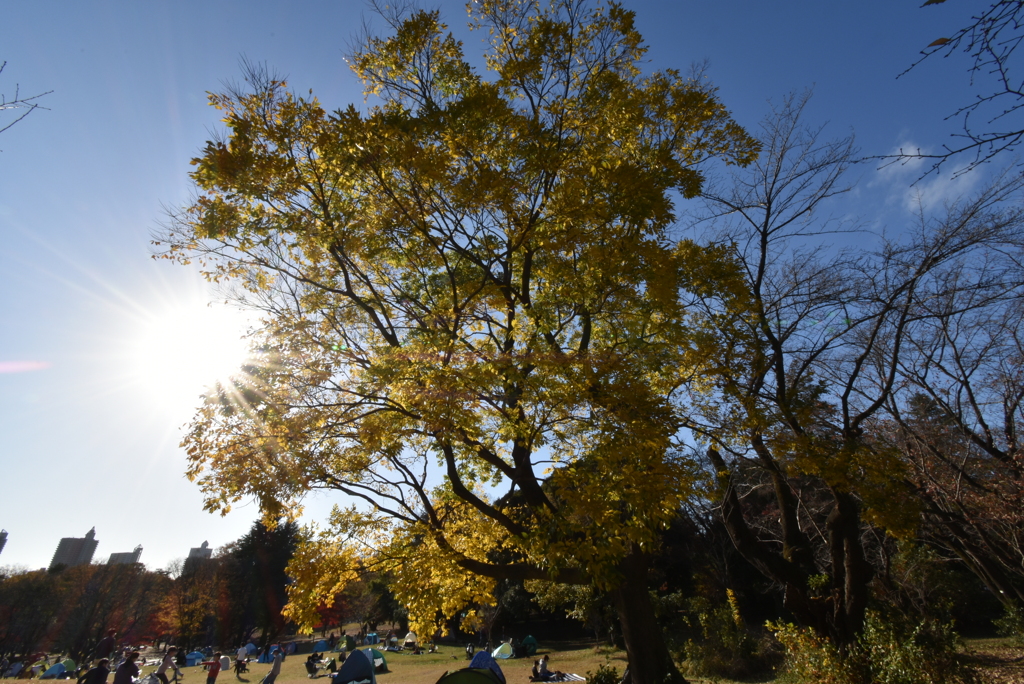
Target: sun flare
185 348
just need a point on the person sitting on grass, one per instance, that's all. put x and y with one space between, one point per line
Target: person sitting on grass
541 673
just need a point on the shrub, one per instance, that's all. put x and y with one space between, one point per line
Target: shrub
1012 623
812 658
904 652
604 675
724 647
891 650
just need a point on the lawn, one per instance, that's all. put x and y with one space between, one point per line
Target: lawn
998 659
406 668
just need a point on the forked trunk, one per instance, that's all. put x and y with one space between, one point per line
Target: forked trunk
649 659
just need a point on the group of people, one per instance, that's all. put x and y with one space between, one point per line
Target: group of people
125 673
541 673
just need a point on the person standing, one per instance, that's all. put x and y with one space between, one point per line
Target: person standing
276 669
240 658
127 670
106 645
214 668
168 662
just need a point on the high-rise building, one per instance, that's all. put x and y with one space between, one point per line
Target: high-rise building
204 551
127 557
75 550
3 540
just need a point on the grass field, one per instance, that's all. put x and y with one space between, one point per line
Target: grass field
999 662
406 668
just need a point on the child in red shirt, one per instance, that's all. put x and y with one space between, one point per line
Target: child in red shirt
211 675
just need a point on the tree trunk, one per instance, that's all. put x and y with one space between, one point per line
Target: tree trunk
851 573
649 659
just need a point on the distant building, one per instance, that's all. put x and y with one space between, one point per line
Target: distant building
126 558
204 551
3 540
75 550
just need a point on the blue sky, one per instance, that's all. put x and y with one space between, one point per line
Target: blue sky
89 438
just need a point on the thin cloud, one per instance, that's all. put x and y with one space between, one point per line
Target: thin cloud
22 366
910 187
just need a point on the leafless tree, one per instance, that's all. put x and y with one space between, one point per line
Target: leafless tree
960 410
806 344
991 123
21 106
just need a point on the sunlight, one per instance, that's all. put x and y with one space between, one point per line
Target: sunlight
185 348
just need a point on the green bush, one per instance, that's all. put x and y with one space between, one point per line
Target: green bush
810 658
903 652
1012 623
723 646
890 651
604 675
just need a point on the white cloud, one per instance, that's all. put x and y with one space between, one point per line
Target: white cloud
910 184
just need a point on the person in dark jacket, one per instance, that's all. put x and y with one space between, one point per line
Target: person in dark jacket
127 670
106 645
98 674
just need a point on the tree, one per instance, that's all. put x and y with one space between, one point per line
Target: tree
803 347
959 415
19 105
253 580
71 609
29 604
101 597
467 290
187 611
989 122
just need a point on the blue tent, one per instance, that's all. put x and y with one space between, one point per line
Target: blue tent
251 648
194 658
371 638
357 669
483 661
268 655
320 646
55 671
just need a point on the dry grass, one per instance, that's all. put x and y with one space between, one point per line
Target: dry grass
999 661
406 668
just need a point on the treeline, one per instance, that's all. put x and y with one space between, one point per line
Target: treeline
194 602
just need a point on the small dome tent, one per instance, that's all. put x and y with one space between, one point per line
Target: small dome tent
504 651
380 664
55 671
357 669
483 661
469 675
